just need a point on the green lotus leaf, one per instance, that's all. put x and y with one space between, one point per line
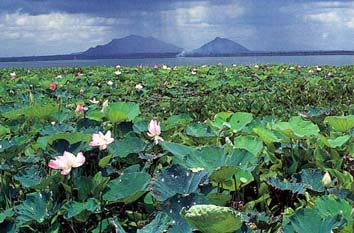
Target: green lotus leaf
13 143
37 111
242 178
127 188
105 223
310 220
178 150
95 115
284 185
176 180
4 130
341 123
239 120
212 218
298 128
199 130
180 119
36 207
266 135
221 119
122 148
329 206
6 214
120 111
71 137
335 142
53 129
221 174
220 199
250 143
173 206
212 157
311 177
74 208
161 223
104 161
90 186
30 176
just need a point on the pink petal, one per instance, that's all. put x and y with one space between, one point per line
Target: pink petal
108 134
79 160
54 164
93 143
65 171
103 147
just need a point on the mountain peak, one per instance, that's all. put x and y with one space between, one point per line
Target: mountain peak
133 44
219 46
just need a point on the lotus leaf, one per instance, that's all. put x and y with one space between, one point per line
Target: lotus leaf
213 219
127 188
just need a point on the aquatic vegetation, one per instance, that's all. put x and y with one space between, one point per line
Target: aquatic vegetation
251 149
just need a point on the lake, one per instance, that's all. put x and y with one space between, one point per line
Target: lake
300 60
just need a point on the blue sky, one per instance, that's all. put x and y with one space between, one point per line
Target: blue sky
42 27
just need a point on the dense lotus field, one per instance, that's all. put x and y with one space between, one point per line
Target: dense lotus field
214 149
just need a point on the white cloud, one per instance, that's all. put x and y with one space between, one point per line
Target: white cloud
330 17
205 13
192 25
72 31
53 26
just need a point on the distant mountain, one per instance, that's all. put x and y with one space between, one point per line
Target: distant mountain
219 46
132 44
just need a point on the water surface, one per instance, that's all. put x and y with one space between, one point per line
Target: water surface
335 60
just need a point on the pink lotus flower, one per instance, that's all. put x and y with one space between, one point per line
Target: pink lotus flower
155 131
100 140
138 86
79 73
53 86
156 67
79 109
66 162
13 75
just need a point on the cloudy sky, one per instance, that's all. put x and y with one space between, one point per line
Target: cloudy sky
42 27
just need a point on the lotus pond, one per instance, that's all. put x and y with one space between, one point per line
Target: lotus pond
266 148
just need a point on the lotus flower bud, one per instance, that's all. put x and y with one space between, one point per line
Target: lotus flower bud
79 109
53 86
138 86
154 131
104 105
326 180
13 75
